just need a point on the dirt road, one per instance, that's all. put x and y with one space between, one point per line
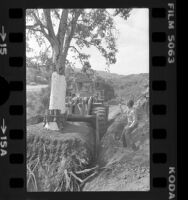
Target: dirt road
35 88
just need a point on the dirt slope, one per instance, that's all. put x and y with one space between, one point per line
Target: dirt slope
123 169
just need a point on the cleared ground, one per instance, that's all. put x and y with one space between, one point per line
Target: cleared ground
35 88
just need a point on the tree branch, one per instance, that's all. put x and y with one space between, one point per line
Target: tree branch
49 24
78 53
87 42
87 170
73 26
42 26
32 26
75 49
64 51
76 177
38 21
62 27
57 14
87 178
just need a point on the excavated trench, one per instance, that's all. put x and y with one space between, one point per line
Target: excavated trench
123 169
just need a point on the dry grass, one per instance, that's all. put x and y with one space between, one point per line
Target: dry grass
54 175
56 160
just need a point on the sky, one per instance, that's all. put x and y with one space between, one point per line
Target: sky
132 45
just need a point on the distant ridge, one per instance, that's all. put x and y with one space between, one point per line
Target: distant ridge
126 86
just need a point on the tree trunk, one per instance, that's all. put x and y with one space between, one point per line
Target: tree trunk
58 92
58 87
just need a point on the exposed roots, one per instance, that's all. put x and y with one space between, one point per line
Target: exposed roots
72 182
70 173
30 173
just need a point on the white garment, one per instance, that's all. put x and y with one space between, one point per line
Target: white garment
58 92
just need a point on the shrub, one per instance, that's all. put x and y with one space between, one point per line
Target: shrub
37 102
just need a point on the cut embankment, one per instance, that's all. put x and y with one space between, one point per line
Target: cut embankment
55 159
123 169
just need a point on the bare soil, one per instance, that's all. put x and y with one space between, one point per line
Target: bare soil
35 88
120 169
123 169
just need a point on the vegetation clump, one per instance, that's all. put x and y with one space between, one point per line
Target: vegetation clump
55 161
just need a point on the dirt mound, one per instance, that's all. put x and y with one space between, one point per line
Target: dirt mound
54 157
124 169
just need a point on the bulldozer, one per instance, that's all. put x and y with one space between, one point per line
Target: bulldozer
89 86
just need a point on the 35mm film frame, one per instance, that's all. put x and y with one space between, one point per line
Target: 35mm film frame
163 108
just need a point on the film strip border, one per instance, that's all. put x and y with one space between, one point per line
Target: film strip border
163 100
158 106
12 84
161 89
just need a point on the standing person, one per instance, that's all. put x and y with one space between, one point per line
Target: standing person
81 106
69 105
123 107
73 103
89 105
131 125
85 105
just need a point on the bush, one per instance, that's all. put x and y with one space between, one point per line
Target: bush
37 102
36 76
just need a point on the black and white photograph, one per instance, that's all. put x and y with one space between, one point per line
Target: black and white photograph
87 100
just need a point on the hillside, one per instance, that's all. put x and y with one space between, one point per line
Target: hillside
126 86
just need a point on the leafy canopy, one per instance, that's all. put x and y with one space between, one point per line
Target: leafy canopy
73 30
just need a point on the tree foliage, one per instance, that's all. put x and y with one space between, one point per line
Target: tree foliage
73 30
